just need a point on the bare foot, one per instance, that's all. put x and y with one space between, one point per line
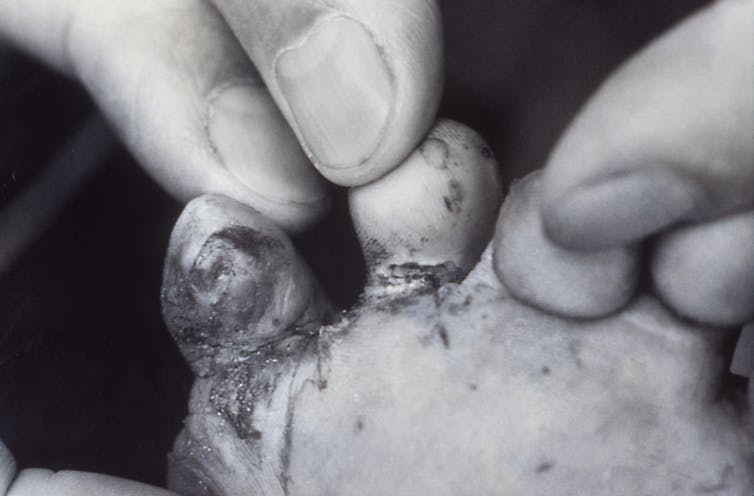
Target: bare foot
438 381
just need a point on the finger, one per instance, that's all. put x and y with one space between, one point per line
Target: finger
7 468
666 139
39 27
427 221
706 272
359 82
233 282
552 278
39 482
182 94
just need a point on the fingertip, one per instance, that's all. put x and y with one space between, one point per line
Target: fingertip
408 35
435 212
340 92
705 272
666 138
618 209
547 276
358 82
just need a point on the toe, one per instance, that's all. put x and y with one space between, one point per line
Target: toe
233 282
430 218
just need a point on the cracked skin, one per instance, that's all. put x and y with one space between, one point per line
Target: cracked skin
508 400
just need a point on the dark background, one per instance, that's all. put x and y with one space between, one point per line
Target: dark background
89 378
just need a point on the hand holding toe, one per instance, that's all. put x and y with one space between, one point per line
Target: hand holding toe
664 144
239 98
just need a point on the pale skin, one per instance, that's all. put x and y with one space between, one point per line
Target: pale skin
662 150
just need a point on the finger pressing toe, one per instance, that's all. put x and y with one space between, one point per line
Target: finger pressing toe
359 82
706 272
547 276
233 282
183 95
430 218
666 139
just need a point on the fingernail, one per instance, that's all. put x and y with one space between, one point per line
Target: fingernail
705 272
257 146
340 92
621 210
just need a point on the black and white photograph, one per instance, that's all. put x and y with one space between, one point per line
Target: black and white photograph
376 247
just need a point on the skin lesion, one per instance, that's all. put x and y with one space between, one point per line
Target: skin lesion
394 399
448 386
237 435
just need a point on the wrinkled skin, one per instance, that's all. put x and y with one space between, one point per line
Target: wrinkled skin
451 389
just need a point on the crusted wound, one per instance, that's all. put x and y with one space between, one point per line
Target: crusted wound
396 280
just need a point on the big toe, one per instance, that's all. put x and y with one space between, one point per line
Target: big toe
233 282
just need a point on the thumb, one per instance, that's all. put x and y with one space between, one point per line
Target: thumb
359 82
182 95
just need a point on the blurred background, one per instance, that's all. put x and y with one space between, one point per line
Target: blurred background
89 377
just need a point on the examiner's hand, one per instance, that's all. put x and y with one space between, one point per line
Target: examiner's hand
663 150
204 96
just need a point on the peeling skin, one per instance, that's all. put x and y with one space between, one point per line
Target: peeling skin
435 384
471 410
238 433
596 380
233 285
